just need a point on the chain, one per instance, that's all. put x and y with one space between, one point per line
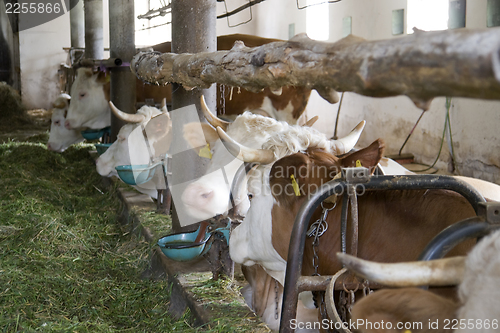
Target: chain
316 230
276 314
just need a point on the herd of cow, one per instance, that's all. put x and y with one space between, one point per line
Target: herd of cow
291 161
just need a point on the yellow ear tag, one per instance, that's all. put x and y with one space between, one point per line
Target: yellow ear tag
295 186
358 164
407 331
205 152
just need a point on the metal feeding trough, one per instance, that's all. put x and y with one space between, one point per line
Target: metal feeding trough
187 246
102 147
138 173
93 134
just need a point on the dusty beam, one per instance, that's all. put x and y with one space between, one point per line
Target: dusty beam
424 65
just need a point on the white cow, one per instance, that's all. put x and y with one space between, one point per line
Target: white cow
131 148
209 195
478 307
89 101
60 138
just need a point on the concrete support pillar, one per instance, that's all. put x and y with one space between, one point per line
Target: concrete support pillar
77 21
193 30
122 45
94 43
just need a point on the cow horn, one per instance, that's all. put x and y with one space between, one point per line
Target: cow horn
345 144
440 272
213 120
263 156
128 117
311 121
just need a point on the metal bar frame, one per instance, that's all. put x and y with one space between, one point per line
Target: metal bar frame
298 236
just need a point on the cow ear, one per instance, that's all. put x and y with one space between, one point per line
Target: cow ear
198 137
288 178
368 157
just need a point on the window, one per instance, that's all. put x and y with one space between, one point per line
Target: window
317 19
398 22
457 14
493 13
346 26
427 15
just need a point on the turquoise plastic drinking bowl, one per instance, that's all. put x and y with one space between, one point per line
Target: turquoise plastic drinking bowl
102 147
136 174
93 134
181 246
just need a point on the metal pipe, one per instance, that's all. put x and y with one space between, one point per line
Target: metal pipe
193 31
447 239
298 236
111 62
122 46
94 43
343 222
77 22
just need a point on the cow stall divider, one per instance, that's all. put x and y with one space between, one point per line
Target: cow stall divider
487 219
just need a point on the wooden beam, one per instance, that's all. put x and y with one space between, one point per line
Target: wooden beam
424 65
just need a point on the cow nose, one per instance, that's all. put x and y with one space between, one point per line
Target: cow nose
49 146
67 124
197 196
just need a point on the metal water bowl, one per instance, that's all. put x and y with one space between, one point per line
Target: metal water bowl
136 174
182 246
102 147
94 134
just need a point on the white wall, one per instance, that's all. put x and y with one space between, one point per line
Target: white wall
474 122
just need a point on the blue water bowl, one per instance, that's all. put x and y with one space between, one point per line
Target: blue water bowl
181 246
136 174
94 134
102 147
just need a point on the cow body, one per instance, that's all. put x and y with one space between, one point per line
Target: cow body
60 138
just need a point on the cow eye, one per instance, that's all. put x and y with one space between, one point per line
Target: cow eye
56 122
82 95
250 196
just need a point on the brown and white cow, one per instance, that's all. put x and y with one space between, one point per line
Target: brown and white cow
399 222
476 310
393 225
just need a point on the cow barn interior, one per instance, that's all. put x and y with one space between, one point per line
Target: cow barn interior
89 242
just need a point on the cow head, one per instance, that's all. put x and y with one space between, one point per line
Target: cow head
89 101
130 146
60 138
209 195
251 242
